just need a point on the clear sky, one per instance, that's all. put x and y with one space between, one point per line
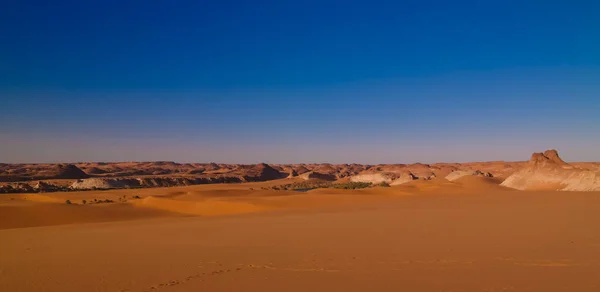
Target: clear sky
298 81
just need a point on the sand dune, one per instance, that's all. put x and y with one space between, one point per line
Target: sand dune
426 235
481 182
202 208
45 214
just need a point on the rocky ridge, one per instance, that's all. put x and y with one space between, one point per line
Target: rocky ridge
543 171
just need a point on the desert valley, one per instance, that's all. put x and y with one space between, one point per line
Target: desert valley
164 226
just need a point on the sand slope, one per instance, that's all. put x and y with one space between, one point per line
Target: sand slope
32 215
202 208
482 238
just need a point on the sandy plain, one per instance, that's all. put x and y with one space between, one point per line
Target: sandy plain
467 235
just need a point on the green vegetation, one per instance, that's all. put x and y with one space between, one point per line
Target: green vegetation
299 186
351 185
321 185
96 201
312 185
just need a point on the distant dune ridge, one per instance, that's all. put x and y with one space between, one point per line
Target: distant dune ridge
545 171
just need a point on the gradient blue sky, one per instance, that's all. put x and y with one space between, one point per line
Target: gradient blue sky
298 81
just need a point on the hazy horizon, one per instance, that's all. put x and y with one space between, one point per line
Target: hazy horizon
299 83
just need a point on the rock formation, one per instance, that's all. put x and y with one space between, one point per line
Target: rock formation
460 173
94 170
64 171
293 174
260 172
318 175
547 171
196 171
300 169
149 182
44 187
392 178
544 170
99 183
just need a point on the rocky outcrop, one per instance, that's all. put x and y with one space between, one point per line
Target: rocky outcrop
326 169
7 189
429 176
148 182
318 176
404 178
211 167
461 173
300 169
392 178
23 187
34 172
260 172
547 171
63 171
42 187
94 170
196 171
104 183
552 156
292 174
348 170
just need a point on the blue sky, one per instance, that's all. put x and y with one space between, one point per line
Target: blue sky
308 81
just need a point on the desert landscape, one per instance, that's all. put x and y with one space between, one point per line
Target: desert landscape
165 226
280 146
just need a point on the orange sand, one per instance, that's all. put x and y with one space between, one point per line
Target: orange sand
466 235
